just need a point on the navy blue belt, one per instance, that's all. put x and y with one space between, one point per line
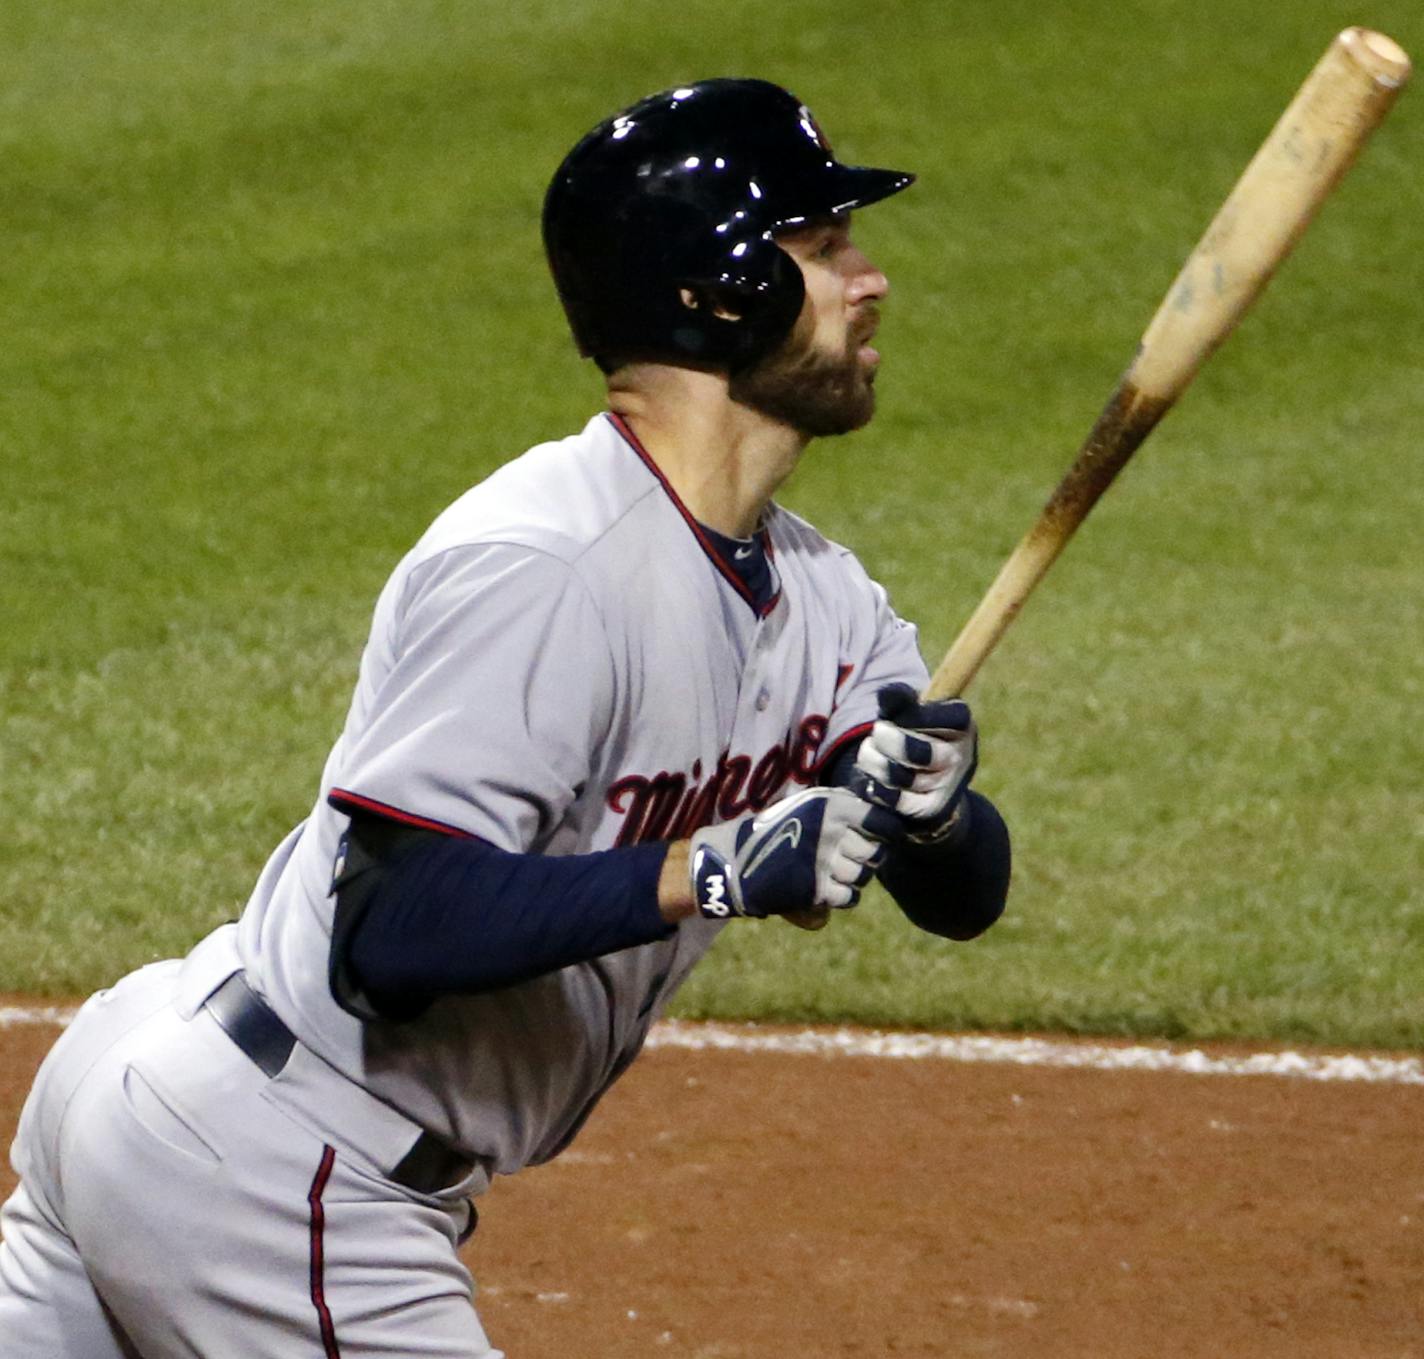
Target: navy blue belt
428 1167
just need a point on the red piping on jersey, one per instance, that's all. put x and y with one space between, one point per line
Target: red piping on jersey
348 802
703 541
318 1254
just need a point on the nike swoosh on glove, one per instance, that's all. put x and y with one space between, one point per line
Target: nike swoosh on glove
816 848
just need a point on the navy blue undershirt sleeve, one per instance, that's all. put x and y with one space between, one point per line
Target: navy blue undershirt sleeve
421 915
957 888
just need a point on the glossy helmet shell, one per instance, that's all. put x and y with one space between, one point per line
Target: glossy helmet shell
685 190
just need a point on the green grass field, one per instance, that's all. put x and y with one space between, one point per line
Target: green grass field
273 294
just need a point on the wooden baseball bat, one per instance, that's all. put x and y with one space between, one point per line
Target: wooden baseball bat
1316 140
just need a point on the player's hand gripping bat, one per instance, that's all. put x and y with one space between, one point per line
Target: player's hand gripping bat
1307 152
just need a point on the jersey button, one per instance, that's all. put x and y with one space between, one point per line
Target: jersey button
763 700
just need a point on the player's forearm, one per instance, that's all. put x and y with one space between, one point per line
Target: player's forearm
959 888
421 915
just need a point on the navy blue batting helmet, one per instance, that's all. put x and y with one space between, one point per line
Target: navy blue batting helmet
685 191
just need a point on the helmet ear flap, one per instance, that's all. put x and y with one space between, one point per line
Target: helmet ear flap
746 305
775 303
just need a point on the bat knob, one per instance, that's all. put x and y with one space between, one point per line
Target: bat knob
812 918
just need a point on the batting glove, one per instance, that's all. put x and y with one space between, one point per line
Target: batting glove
918 760
816 848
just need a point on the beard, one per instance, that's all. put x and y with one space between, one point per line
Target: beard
816 393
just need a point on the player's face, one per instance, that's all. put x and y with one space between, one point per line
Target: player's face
821 379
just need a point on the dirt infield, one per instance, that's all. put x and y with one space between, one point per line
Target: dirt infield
727 1205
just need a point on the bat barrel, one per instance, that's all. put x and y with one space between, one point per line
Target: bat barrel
1313 144
1316 140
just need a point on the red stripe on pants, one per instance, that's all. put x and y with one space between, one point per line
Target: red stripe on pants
318 1254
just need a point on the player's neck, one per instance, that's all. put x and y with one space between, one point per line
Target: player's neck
724 460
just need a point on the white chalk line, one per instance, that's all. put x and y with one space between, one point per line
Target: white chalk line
20 1016
969 1048
1037 1052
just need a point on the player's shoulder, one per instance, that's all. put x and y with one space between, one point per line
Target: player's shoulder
798 538
822 569
558 498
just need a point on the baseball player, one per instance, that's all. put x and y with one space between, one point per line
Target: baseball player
614 700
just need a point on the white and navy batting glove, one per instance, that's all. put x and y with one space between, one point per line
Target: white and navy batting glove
918 760
816 848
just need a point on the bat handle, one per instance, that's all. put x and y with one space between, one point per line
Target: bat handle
1126 420
979 636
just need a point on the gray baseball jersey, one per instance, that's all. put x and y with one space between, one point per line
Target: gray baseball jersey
566 663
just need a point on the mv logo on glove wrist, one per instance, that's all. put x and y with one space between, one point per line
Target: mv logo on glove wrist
709 884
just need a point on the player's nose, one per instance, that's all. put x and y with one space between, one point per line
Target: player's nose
866 283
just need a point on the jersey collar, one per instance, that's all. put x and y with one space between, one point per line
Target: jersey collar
709 547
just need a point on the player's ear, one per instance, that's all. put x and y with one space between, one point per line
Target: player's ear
705 299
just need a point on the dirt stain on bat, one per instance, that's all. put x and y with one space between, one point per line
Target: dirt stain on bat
1127 419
